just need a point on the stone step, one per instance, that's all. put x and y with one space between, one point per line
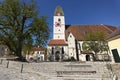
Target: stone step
78 78
74 73
78 66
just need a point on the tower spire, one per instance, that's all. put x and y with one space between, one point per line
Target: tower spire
58 11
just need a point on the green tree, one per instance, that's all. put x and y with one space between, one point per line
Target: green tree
95 41
21 26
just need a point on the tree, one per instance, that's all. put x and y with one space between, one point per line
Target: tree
21 26
95 41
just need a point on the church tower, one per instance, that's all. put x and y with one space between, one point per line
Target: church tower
58 45
58 24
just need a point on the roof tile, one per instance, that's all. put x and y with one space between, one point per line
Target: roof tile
57 42
79 31
38 49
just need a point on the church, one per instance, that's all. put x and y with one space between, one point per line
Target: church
68 39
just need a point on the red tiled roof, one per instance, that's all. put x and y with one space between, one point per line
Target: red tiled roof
79 31
38 49
57 42
113 28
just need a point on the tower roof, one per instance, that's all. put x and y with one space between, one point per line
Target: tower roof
58 11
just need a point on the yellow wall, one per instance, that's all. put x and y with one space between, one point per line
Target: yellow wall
114 44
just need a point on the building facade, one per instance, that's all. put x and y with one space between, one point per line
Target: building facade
68 39
113 42
36 54
4 51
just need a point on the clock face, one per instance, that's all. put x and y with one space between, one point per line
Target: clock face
57 24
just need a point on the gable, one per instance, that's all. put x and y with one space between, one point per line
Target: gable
71 36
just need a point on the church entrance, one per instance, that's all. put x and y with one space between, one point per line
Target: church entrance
57 56
87 57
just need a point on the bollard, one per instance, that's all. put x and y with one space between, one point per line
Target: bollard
22 68
7 64
1 61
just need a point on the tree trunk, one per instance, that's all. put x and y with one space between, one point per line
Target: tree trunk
95 57
19 51
19 54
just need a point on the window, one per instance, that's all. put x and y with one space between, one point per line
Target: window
59 19
38 52
79 46
62 50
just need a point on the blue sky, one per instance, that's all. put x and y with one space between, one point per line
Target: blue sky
83 11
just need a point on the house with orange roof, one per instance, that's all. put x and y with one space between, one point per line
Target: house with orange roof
36 54
67 39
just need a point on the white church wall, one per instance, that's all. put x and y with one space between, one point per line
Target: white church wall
59 31
82 57
58 36
59 17
80 47
80 43
71 40
66 52
49 50
100 56
71 46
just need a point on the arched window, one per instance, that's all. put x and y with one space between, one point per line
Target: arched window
59 19
87 57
